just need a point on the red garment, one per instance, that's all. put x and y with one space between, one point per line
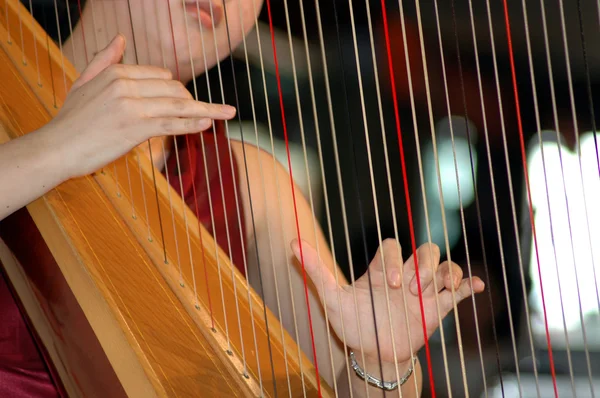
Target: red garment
23 370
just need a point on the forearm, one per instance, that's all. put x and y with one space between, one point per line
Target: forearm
30 168
275 227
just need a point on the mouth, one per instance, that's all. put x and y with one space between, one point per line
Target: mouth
201 10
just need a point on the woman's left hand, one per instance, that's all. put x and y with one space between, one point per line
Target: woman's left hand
354 309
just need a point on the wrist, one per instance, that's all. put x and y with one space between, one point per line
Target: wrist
51 154
383 374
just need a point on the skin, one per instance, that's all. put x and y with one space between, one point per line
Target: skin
276 236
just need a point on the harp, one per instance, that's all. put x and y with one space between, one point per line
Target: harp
477 113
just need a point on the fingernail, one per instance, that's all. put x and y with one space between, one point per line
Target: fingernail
456 280
413 286
395 278
295 248
478 285
229 110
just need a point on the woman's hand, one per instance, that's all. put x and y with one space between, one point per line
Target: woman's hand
401 285
112 108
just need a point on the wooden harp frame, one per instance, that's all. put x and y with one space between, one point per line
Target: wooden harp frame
140 332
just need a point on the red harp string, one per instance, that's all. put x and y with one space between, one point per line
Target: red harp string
529 200
289 159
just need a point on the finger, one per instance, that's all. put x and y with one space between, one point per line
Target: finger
314 267
445 276
389 258
146 88
174 107
464 290
110 55
174 126
135 72
428 258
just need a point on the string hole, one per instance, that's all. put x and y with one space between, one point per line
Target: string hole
166 262
102 172
181 284
246 375
24 63
229 352
134 216
213 330
149 239
197 307
40 84
118 194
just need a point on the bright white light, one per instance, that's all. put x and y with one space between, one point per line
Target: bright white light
582 255
448 170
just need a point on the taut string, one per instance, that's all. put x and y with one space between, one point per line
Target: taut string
307 170
321 167
494 198
277 185
474 182
526 174
278 77
577 145
260 278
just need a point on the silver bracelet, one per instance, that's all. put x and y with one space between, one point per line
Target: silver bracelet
384 385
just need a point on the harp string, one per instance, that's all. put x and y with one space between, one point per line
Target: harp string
461 206
196 304
258 260
342 200
21 34
178 165
263 184
321 167
222 194
405 182
164 157
538 125
476 195
201 136
588 84
526 175
441 200
594 133
444 75
310 194
281 106
494 198
235 189
137 155
397 119
35 50
200 232
49 61
277 185
576 135
511 194
541 146
372 183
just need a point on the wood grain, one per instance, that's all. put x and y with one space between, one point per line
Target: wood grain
156 333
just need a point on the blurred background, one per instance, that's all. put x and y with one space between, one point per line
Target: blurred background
485 206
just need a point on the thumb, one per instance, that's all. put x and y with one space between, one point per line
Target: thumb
316 270
110 55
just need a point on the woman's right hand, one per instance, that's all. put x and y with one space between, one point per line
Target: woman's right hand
112 108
